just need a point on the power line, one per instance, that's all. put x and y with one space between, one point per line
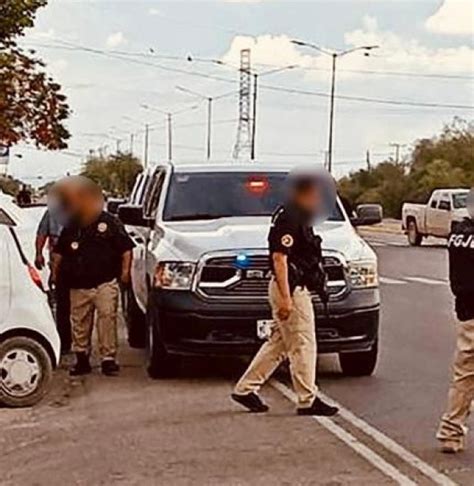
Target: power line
279 88
408 74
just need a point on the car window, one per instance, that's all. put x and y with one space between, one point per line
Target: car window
445 205
152 194
434 203
198 195
460 200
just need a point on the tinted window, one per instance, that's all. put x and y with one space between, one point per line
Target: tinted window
216 195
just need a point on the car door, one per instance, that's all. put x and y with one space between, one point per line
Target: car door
432 213
445 207
5 271
143 260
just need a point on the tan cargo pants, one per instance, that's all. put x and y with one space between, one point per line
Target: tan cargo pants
294 339
85 303
461 393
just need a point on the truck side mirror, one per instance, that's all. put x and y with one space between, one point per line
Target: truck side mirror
368 214
132 215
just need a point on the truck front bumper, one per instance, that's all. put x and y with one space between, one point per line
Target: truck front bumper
189 325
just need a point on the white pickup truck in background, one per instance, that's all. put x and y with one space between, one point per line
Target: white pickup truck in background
435 217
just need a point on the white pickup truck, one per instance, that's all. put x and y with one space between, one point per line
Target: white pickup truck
435 217
201 268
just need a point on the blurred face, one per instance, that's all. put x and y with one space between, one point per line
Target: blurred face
309 199
83 201
470 203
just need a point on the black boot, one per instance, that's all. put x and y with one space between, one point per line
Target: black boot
251 401
82 366
318 408
110 367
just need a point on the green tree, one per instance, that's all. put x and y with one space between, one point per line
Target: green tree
32 107
116 174
446 160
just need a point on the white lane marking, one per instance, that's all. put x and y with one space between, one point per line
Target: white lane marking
368 454
425 280
385 441
392 281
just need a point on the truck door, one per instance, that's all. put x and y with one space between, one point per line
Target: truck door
445 207
144 264
431 213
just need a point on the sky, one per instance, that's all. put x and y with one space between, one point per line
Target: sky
116 57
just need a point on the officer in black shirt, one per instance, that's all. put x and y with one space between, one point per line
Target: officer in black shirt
452 430
94 254
296 263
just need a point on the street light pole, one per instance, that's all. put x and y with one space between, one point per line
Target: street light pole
334 55
254 117
209 127
331 112
169 117
145 155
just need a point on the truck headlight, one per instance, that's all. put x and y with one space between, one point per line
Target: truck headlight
363 274
174 275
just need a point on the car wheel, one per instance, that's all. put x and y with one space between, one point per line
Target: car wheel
136 322
162 364
25 372
414 238
359 364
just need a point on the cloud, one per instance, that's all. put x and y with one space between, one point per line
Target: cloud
116 39
154 11
455 17
396 53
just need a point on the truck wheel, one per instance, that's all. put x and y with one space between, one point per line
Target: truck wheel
359 364
136 322
25 372
414 238
162 364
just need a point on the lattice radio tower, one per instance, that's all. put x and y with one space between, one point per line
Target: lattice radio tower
243 143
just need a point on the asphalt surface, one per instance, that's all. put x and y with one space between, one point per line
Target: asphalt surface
131 430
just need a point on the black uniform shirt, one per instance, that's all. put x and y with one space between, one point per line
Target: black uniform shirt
461 267
92 255
291 233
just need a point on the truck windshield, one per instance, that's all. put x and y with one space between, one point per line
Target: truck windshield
216 195
459 200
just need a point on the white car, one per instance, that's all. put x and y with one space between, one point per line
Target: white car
29 342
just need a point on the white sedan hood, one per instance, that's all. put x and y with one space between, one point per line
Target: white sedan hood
189 241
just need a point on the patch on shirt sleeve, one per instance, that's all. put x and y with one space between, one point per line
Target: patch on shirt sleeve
287 241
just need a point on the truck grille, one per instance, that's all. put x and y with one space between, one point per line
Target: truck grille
228 278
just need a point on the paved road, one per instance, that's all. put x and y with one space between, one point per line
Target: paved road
133 431
408 393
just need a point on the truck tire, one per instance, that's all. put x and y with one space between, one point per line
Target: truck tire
136 322
414 238
25 372
359 364
162 365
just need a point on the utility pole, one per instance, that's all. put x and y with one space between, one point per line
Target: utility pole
254 116
169 118
118 142
397 147
132 139
367 159
334 55
209 127
145 144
